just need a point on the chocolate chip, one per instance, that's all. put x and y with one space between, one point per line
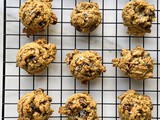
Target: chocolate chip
78 11
69 105
37 14
140 112
92 28
34 58
141 9
148 27
83 114
43 102
34 108
127 107
84 63
83 102
43 23
79 29
54 22
141 24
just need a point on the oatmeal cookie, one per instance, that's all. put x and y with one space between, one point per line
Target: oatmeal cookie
80 106
135 63
86 17
138 16
36 56
35 106
134 106
36 16
85 66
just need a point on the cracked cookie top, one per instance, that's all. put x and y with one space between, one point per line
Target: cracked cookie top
138 16
86 17
36 56
134 106
36 16
35 106
80 106
85 66
135 63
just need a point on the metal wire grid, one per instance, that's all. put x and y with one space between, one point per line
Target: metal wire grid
105 90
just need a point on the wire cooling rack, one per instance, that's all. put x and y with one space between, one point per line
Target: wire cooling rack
108 39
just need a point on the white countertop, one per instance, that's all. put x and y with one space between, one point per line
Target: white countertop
82 42
1 51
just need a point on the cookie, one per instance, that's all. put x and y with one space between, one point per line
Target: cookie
80 106
85 66
135 63
134 106
138 16
36 16
36 56
35 106
86 17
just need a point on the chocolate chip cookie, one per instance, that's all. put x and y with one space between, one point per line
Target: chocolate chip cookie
135 63
85 66
36 56
35 106
134 106
138 16
86 17
36 16
80 106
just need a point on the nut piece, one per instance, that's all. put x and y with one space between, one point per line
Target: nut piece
35 106
36 56
36 16
134 106
85 66
86 17
80 106
138 16
135 63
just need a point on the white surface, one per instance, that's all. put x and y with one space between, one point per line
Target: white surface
1 52
81 43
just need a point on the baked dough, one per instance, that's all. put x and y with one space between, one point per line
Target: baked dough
35 106
36 16
86 17
36 56
85 66
138 16
135 63
134 106
80 106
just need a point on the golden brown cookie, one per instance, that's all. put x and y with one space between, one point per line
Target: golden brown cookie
138 16
36 56
80 106
85 66
36 16
86 17
134 106
35 106
135 63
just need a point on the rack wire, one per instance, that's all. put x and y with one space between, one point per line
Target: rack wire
108 39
